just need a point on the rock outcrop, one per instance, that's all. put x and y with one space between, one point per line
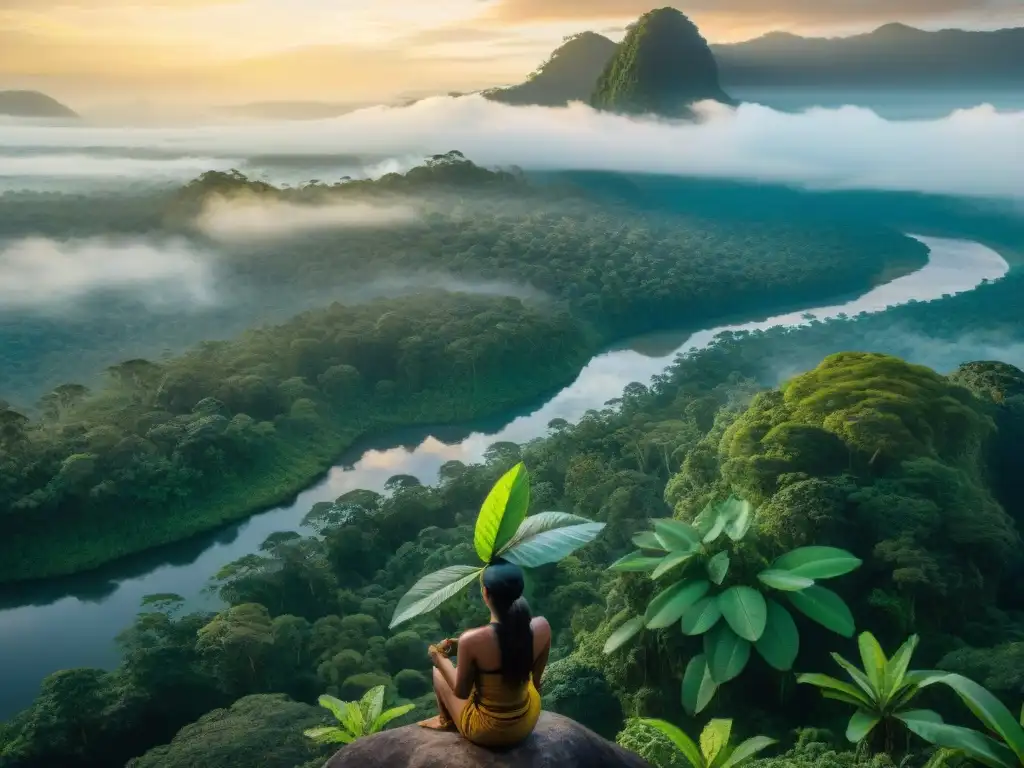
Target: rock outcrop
662 67
557 742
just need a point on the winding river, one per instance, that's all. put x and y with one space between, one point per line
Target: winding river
73 622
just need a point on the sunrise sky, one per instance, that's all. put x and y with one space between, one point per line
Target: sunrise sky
107 52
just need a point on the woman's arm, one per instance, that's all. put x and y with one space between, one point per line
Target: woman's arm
542 647
465 672
460 678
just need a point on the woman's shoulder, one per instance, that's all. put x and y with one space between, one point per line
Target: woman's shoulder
540 624
475 635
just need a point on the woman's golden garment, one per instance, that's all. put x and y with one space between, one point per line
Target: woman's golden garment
498 713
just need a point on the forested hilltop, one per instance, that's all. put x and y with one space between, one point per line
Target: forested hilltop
165 449
618 262
915 473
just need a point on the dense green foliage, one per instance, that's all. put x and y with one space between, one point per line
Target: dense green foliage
254 731
162 450
328 597
663 66
730 596
169 449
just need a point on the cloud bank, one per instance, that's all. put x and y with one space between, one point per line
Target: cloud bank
239 220
974 151
43 274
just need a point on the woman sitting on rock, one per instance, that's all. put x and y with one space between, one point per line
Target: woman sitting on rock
493 696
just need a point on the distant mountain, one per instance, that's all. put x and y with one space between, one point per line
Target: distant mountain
663 66
32 104
892 55
569 74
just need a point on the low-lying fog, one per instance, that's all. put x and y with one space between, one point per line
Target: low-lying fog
978 151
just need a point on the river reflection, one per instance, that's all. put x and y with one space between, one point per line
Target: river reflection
73 622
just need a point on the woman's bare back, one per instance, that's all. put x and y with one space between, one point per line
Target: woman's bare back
480 647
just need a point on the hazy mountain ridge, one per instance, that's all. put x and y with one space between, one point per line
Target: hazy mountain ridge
892 55
571 70
32 104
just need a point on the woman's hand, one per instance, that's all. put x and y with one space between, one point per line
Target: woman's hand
448 646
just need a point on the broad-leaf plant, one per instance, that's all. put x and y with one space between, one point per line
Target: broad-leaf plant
1003 744
705 598
881 691
356 718
714 750
503 531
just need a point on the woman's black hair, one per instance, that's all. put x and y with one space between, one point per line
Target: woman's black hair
504 583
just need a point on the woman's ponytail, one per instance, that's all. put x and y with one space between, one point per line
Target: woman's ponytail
504 583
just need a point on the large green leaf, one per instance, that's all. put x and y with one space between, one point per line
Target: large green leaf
860 725
701 616
372 704
825 607
859 678
779 644
740 514
718 567
432 590
669 605
682 742
717 528
502 512
329 735
675 535
976 746
552 545
389 715
714 739
784 581
541 523
818 562
648 540
727 653
873 659
843 697
745 611
698 685
896 667
986 708
746 750
623 634
348 713
635 562
670 562
848 692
